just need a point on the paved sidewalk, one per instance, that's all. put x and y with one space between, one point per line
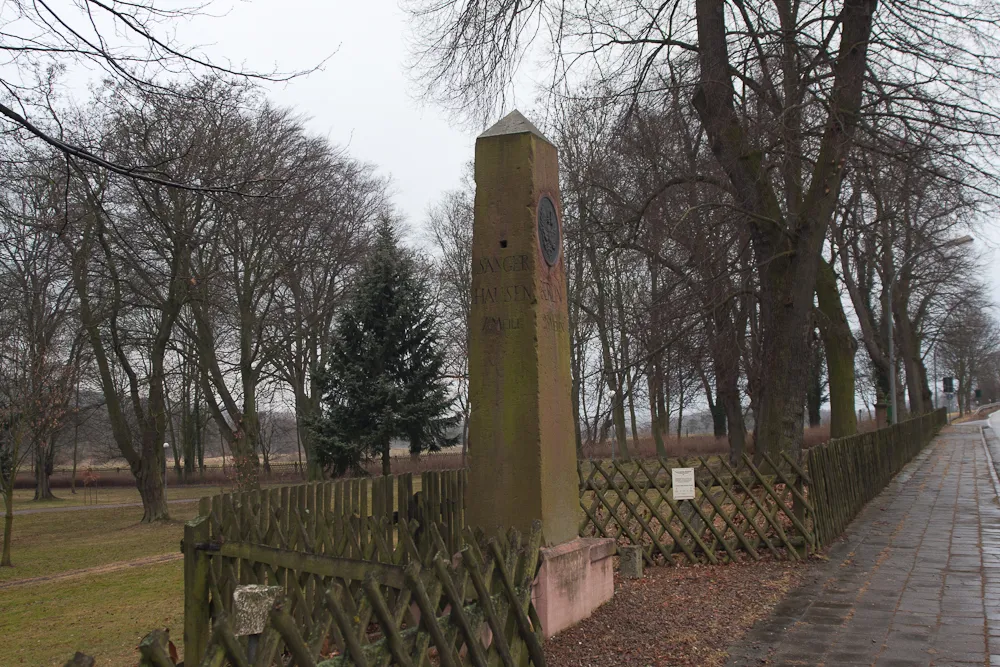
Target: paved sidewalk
916 582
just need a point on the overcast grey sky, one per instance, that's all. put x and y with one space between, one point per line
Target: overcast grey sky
363 97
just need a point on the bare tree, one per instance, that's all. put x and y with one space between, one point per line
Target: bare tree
901 204
328 243
39 354
131 43
239 267
131 244
779 90
449 226
970 341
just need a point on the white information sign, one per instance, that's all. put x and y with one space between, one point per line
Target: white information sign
682 480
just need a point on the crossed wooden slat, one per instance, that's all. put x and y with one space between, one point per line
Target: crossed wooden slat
470 609
738 510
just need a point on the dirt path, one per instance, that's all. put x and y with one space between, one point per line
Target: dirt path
99 569
80 508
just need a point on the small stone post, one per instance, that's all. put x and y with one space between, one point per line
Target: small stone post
631 562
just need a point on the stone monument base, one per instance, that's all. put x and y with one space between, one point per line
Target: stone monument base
574 579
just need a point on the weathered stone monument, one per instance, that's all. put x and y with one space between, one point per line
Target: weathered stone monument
521 425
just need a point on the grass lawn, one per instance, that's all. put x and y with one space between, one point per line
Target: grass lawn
104 616
53 542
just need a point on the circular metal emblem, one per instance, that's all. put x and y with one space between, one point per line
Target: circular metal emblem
548 230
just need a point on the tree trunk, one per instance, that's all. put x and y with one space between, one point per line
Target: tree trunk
8 522
149 482
625 375
725 364
814 391
465 436
386 458
576 348
909 348
611 376
730 399
146 464
314 471
654 412
72 478
714 407
200 442
76 437
787 241
719 429
238 425
306 410
925 389
786 303
298 445
840 346
631 413
663 398
680 401
189 423
43 470
654 372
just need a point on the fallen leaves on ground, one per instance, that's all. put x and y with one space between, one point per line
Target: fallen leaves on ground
675 616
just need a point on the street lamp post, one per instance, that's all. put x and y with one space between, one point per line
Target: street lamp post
893 419
935 376
166 446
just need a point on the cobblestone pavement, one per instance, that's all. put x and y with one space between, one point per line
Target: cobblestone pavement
915 582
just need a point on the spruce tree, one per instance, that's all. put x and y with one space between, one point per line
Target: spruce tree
385 377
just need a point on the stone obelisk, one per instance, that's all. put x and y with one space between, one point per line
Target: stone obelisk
521 425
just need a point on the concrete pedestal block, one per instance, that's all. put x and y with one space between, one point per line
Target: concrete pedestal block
631 562
575 578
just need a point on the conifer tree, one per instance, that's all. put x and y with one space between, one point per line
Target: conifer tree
385 378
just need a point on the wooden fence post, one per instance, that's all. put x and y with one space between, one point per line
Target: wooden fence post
196 603
799 511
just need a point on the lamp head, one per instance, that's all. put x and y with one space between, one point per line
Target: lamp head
962 240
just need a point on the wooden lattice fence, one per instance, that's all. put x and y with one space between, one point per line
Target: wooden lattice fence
300 536
471 608
743 511
739 511
384 571
849 472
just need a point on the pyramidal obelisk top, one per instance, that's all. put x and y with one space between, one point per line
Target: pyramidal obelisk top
513 123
